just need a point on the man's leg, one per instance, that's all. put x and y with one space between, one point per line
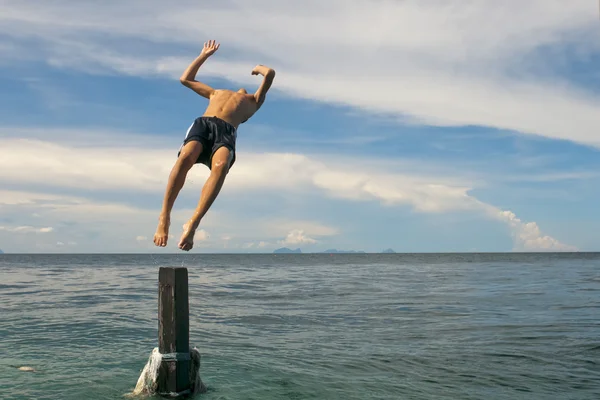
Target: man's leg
188 156
212 186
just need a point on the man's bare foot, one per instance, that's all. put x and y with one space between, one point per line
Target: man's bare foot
187 239
162 232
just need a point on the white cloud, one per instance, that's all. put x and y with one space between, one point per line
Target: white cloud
101 167
280 226
93 224
61 244
258 245
528 237
15 197
297 237
441 63
99 225
42 162
26 229
146 169
201 235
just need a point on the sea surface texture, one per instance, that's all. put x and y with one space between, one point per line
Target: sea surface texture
309 326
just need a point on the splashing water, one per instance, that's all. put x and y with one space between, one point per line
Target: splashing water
147 383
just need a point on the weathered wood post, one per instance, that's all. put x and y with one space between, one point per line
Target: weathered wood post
172 370
173 332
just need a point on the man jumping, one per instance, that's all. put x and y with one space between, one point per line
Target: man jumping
210 140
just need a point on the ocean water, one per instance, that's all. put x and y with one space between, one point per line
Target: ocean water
310 326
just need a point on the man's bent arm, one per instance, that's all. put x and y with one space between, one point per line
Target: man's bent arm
188 78
269 75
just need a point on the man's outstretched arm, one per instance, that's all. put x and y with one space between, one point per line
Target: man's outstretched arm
188 78
269 75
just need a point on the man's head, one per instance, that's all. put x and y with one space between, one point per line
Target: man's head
242 91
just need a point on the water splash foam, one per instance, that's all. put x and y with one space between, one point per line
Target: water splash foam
147 383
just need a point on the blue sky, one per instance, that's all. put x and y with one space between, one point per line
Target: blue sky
417 125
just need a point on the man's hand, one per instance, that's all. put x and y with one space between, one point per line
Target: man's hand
210 47
188 78
262 70
269 75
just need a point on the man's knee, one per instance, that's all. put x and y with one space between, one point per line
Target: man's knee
189 154
185 162
220 166
221 161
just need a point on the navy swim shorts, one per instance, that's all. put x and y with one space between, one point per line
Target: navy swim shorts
213 133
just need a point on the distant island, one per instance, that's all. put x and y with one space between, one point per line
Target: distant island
285 250
388 251
1 252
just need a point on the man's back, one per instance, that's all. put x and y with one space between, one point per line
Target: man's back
230 106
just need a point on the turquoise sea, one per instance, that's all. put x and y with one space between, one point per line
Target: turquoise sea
309 326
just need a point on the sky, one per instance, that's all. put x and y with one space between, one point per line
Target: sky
421 126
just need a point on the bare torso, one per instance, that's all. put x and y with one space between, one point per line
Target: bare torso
232 107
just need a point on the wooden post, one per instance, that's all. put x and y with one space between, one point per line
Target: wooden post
173 331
